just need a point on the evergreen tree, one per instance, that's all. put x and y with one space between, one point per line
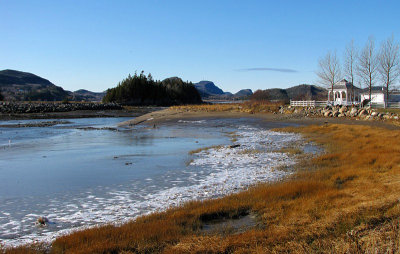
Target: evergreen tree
143 90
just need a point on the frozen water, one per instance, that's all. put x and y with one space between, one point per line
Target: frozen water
86 178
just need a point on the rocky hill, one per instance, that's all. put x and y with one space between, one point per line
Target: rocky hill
244 93
300 92
307 92
25 86
208 90
85 95
18 85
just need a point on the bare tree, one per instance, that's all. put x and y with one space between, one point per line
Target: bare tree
329 71
368 65
350 57
389 64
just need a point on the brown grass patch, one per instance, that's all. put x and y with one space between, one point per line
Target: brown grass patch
204 149
343 201
250 107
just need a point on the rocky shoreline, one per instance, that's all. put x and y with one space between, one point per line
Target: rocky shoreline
340 111
24 108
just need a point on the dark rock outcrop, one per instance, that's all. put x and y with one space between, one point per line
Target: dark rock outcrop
208 88
13 107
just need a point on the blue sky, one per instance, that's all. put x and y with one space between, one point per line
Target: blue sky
237 44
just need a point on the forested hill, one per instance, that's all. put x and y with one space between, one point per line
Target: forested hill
300 92
18 85
143 90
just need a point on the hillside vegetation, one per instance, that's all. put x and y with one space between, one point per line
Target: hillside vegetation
300 92
25 86
143 90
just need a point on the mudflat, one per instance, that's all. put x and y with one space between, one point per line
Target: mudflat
172 115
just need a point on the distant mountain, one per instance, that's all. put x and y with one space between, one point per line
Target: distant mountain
243 93
12 77
25 86
208 90
300 92
85 95
307 92
18 85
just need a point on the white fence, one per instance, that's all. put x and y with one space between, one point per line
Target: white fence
324 103
394 105
308 103
390 105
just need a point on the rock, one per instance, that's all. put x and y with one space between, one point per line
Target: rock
341 115
386 117
20 107
374 113
328 113
335 113
363 112
343 109
353 112
234 146
42 221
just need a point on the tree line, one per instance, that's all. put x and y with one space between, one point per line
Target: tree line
367 67
144 90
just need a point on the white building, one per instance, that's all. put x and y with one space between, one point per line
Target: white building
378 94
343 95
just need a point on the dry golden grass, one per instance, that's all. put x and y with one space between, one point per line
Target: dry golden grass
343 201
246 107
203 149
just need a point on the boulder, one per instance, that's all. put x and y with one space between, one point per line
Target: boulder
343 109
42 221
363 112
336 113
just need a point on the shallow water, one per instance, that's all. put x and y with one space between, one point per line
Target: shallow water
79 178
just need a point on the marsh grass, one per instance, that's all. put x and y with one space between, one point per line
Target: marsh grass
204 149
343 201
250 107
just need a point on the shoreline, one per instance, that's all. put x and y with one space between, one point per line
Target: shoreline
171 115
254 176
347 187
130 112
